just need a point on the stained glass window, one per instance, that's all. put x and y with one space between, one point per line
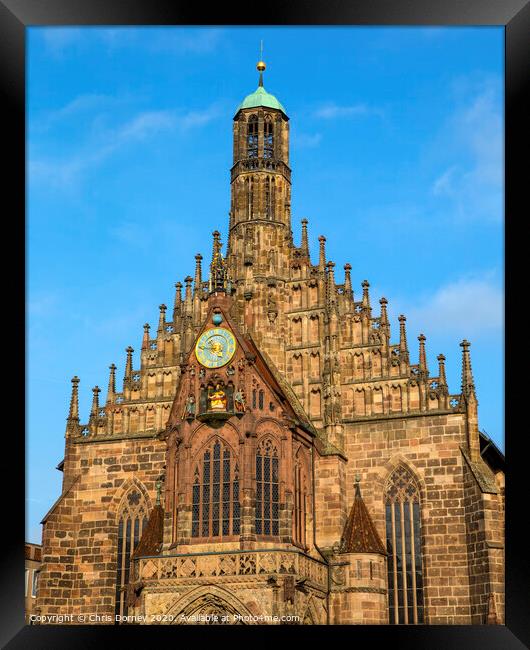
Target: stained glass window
403 539
267 489
132 519
215 501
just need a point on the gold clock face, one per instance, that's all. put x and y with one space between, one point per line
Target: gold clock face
215 347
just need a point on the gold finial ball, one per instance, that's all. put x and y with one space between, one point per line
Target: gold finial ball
261 66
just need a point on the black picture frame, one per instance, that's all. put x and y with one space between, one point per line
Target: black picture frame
15 16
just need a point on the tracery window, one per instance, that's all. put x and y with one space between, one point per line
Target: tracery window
268 139
403 541
252 137
132 519
215 493
267 489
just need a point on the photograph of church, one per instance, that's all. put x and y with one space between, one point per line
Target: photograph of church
279 450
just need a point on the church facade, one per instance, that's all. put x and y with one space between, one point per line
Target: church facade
275 456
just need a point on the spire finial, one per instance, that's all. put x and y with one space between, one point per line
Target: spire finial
162 318
442 381
422 355
305 243
468 384
322 254
366 295
347 281
357 484
128 363
158 486
198 272
261 65
403 348
112 383
73 413
95 401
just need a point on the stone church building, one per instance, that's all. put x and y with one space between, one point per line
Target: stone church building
276 454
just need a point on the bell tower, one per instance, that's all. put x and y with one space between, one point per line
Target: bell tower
260 205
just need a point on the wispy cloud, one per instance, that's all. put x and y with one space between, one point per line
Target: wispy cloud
332 111
472 307
82 104
306 140
64 173
474 133
59 39
42 304
176 40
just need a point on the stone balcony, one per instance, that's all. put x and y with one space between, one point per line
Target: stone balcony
231 565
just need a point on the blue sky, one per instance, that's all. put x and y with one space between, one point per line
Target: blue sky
397 157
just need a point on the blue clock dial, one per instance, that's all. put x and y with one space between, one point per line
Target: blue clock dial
215 347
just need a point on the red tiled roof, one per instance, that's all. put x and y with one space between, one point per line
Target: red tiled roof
360 534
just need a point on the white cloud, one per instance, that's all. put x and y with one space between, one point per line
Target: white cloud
64 173
58 39
471 307
332 111
474 135
306 140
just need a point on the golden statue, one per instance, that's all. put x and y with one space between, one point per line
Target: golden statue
217 399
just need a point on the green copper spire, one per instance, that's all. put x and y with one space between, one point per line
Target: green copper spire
260 97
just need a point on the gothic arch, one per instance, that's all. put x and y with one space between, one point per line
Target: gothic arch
228 433
405 542
207 596
382 475
115 506
311 614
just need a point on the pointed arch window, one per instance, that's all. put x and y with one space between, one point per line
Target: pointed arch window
403 540
300 494
268 138
267 489
252 137
215 493
132 519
